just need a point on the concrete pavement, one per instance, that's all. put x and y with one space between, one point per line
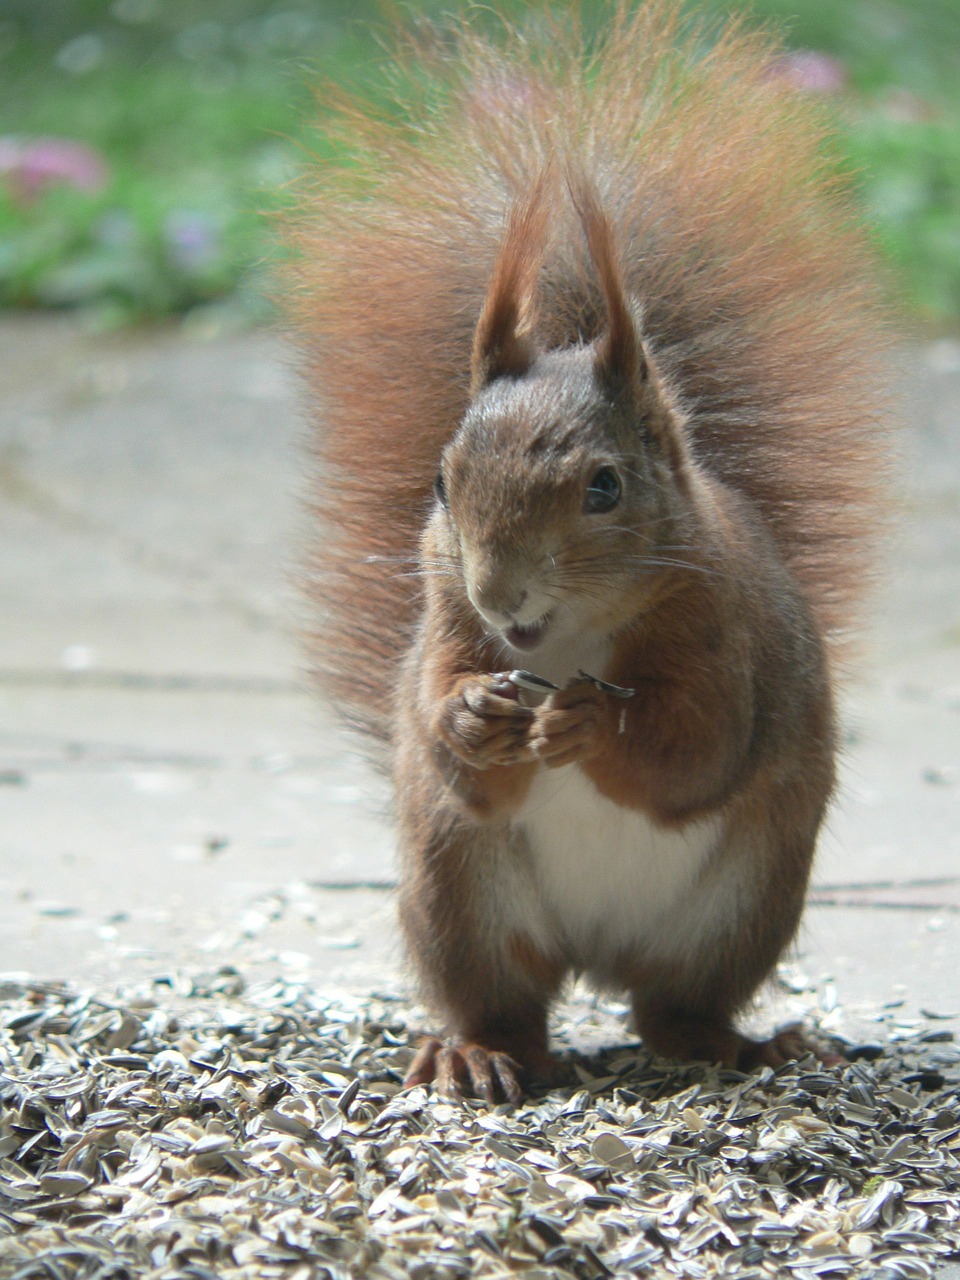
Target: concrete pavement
168 786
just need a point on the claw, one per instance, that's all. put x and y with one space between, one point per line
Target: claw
423 1068
507 1072
450 1072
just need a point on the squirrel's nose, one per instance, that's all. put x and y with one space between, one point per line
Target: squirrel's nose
497 601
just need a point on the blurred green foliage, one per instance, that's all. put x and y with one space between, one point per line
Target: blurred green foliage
198 108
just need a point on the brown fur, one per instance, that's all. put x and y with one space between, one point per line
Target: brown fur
631 256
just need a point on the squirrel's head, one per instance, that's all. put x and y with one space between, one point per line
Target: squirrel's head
562 492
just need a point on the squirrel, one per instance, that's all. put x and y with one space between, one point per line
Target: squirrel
594 344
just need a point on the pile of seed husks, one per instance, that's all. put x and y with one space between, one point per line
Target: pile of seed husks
216 1132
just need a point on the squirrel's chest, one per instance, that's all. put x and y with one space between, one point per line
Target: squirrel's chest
603 876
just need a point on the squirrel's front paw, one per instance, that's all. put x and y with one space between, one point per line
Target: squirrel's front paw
570 725
483 724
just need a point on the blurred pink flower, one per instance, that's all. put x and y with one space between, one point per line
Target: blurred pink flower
29 165
812 72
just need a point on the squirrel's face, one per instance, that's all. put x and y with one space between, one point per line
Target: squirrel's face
554 502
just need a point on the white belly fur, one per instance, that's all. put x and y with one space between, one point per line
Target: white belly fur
604 878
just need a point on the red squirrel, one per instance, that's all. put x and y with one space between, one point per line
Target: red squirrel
593 340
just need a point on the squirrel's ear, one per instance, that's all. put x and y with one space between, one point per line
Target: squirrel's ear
620 356
620 360
503 342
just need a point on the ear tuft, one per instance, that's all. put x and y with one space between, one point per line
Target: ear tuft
620 354
503 343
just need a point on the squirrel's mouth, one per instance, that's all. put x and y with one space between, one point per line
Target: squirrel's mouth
527 636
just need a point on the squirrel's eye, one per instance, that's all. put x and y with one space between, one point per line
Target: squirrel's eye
603 491
440 491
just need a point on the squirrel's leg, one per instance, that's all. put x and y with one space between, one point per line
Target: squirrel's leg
736 923
494 988
466 908
465 914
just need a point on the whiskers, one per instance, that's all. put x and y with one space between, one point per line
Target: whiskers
414 567
674 562
490 641
595 563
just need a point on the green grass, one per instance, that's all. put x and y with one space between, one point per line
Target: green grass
198 107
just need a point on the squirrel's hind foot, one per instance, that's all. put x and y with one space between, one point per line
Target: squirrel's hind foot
464 1068
689 1038
786 1045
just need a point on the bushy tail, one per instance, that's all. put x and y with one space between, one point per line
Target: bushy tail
740 244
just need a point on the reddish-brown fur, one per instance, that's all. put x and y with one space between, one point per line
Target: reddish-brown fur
634 251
